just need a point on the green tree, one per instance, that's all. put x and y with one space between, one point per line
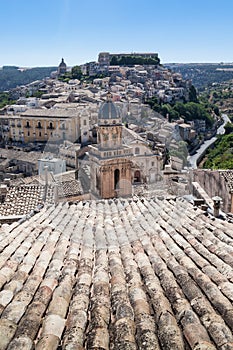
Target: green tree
193 94
221 156
76 72
216 110
228 128
114 61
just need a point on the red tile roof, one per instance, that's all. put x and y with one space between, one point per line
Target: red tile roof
117 274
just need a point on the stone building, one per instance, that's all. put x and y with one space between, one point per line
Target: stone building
54 165
40 125
147 164
62 68
110 159
121 157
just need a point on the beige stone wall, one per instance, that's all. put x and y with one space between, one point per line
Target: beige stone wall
214 184
110 136
108 189
42 129
50 128
106 178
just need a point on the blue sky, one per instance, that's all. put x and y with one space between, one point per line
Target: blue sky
40 33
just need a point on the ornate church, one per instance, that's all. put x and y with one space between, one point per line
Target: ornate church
110 163
116 165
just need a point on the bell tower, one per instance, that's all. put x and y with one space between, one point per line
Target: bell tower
110 159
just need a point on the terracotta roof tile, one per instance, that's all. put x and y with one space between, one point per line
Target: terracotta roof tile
118 274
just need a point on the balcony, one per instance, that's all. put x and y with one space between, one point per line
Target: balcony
19 125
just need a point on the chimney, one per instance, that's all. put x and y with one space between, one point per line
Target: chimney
217 203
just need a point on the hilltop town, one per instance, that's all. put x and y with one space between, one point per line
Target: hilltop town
58 107
52 128
109 237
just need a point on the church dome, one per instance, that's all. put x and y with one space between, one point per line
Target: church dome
62 64
109 112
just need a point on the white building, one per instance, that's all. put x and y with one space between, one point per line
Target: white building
54 165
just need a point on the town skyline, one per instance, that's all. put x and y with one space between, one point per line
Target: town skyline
39 34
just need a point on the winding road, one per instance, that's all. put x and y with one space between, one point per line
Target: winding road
194 158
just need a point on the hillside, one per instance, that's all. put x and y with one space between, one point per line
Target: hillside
203 74
11 76
221 156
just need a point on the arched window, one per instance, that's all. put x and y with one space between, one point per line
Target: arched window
137 150
116 178
39 125
137 176
50 125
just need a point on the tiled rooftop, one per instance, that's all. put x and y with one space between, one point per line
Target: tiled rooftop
69 188
21 200
31 157
118 274
62 113
40 179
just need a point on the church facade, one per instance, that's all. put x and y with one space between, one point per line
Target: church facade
117 162
110 160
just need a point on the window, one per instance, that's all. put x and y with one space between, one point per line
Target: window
116 178
39 125
137 176
27 125
84 122
153 164
28 133
40 134
137 150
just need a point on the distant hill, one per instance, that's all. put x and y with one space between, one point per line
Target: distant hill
11 76
203 74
